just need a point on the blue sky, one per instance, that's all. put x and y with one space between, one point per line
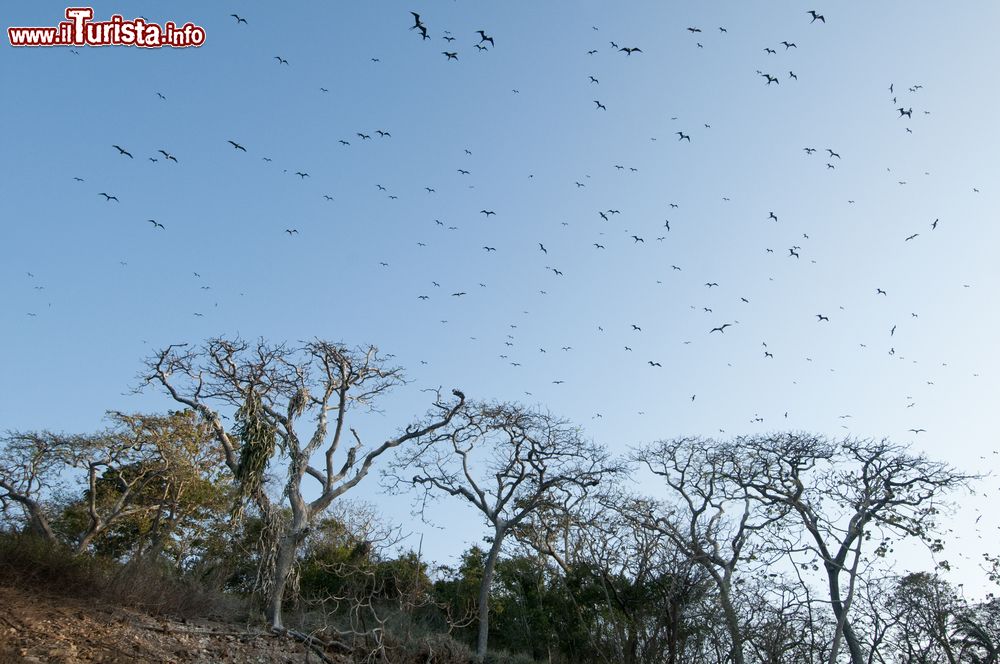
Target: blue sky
225 213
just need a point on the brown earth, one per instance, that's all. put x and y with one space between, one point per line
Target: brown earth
41 628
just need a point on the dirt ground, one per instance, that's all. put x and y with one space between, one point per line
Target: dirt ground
44 628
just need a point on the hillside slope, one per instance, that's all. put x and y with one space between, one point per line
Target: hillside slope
37 627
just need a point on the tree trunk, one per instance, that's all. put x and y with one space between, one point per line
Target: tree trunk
40 525
288 545
37 521
853 646
88 539
484 593
732 625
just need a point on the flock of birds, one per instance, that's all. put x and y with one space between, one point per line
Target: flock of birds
483 41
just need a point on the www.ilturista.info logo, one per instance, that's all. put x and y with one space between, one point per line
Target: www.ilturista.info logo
80 30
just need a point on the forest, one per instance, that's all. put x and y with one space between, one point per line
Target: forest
768 548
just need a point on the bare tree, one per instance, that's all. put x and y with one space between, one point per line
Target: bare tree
270 388
28 468
655 592
925 608
507 461
845 494
714 520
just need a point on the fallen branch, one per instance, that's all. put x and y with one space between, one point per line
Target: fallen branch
317 645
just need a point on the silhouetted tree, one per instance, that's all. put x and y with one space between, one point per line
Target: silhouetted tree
844 495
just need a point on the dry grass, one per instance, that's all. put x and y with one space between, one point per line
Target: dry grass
31 563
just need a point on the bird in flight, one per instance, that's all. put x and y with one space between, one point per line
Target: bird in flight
772 215
167 155
237 146
487 212
123 151
683 136
489 249
710 284
788 45
630 50
654 364
281 60
594 80
721 328
417 24
542 247
637 239
820 318
934 225
156 224
239 19
694 30
484 37
292 231
815 16
109 197
450 55
911 237
600 106
302 175
917 430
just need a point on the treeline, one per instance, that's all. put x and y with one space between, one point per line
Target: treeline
766 549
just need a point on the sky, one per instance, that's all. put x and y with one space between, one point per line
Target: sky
89 288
